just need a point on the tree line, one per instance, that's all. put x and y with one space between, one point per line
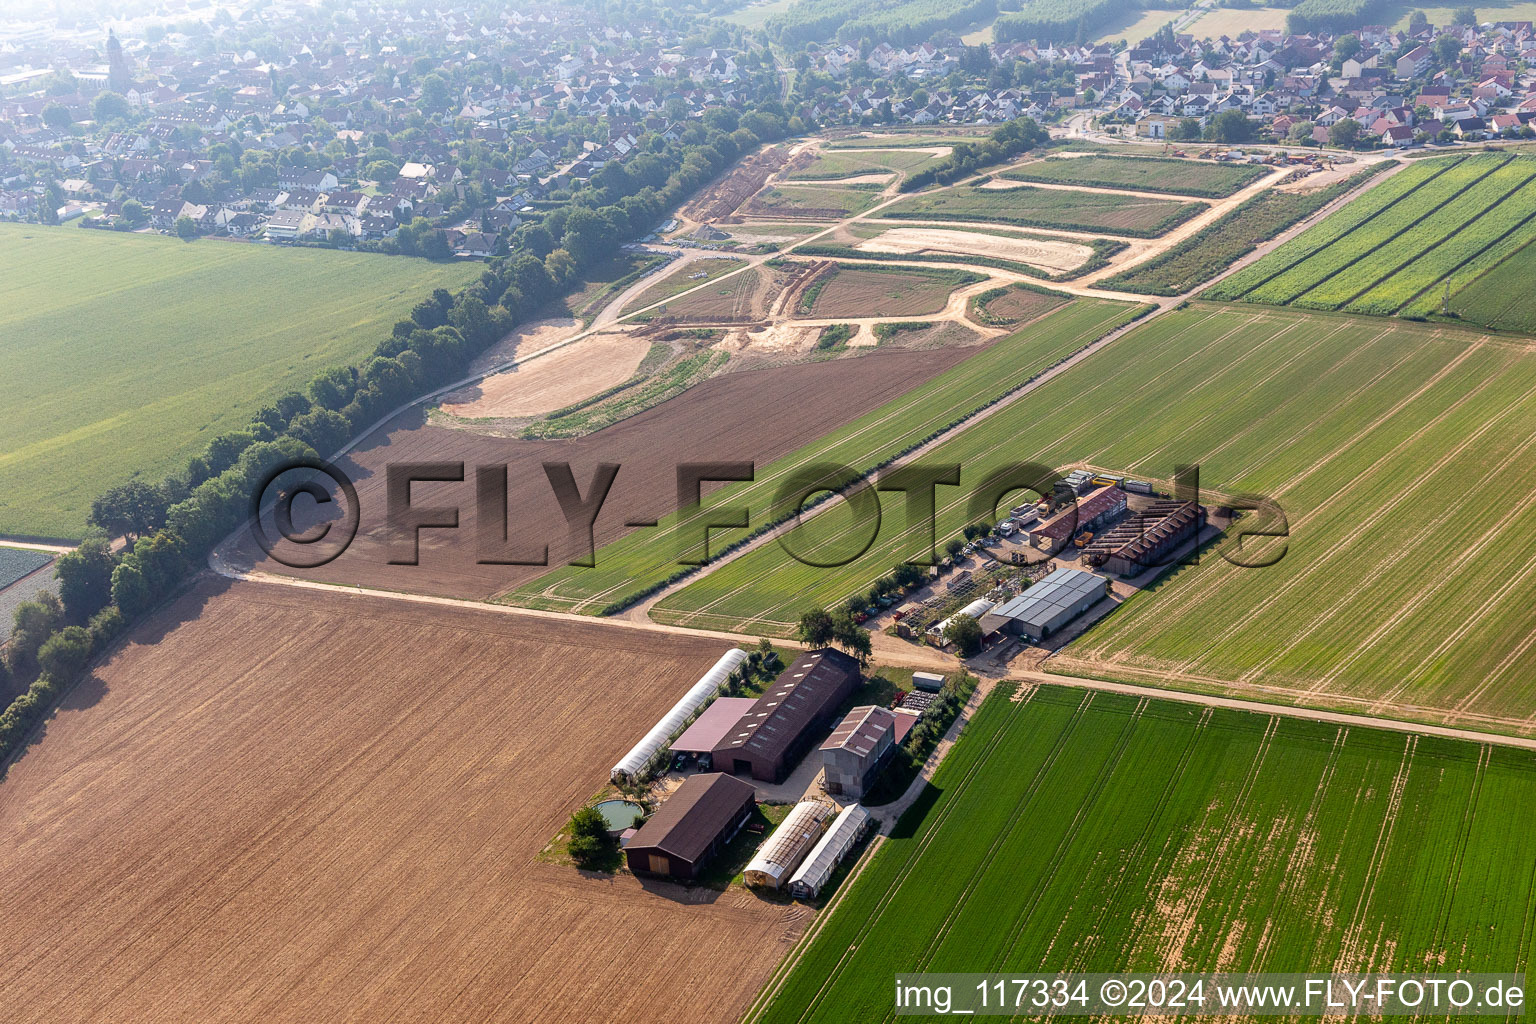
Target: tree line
170 528
1006 142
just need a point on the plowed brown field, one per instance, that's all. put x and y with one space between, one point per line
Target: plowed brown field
278 806
754 415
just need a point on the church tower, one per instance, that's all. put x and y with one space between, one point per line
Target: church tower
119 73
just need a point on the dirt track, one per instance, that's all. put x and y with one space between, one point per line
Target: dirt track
283 805
736 416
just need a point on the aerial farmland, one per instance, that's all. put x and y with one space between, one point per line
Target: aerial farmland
628 512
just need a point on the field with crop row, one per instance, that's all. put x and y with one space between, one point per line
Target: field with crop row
1394 250
830 165
1393 223
1502 297
818 202
1358 214
1074 831
1145 174
1050 208
1362 430
1234 235
124 354
638 563
1420 246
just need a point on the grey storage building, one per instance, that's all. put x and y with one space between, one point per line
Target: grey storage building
693 825
857 749
1049 605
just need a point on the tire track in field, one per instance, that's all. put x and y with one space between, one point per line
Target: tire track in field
932 828
687 616
1417 601
1263 455
1514 657
1026 798
1074 827
1468 623
1458 860
1294 356
1177 603
1171 953
1361 528
1109 905
1303 853
1349 959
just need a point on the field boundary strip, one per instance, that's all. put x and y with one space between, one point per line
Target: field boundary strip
1519 226
1308 253
1426 252
1372 248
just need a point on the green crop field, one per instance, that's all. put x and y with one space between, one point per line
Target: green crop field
684 278
1232 236
1143 174
1361 429
124 354
1394 250
819 202
1049 208
850 164
1072 831
1502 297
635 565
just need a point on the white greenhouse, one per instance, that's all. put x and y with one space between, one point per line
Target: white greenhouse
673 722
976 609
806 883
792 840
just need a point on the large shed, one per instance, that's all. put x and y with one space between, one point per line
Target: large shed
782 852
1052 603
693 826
1098 509
784 722
1148 539
857 749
